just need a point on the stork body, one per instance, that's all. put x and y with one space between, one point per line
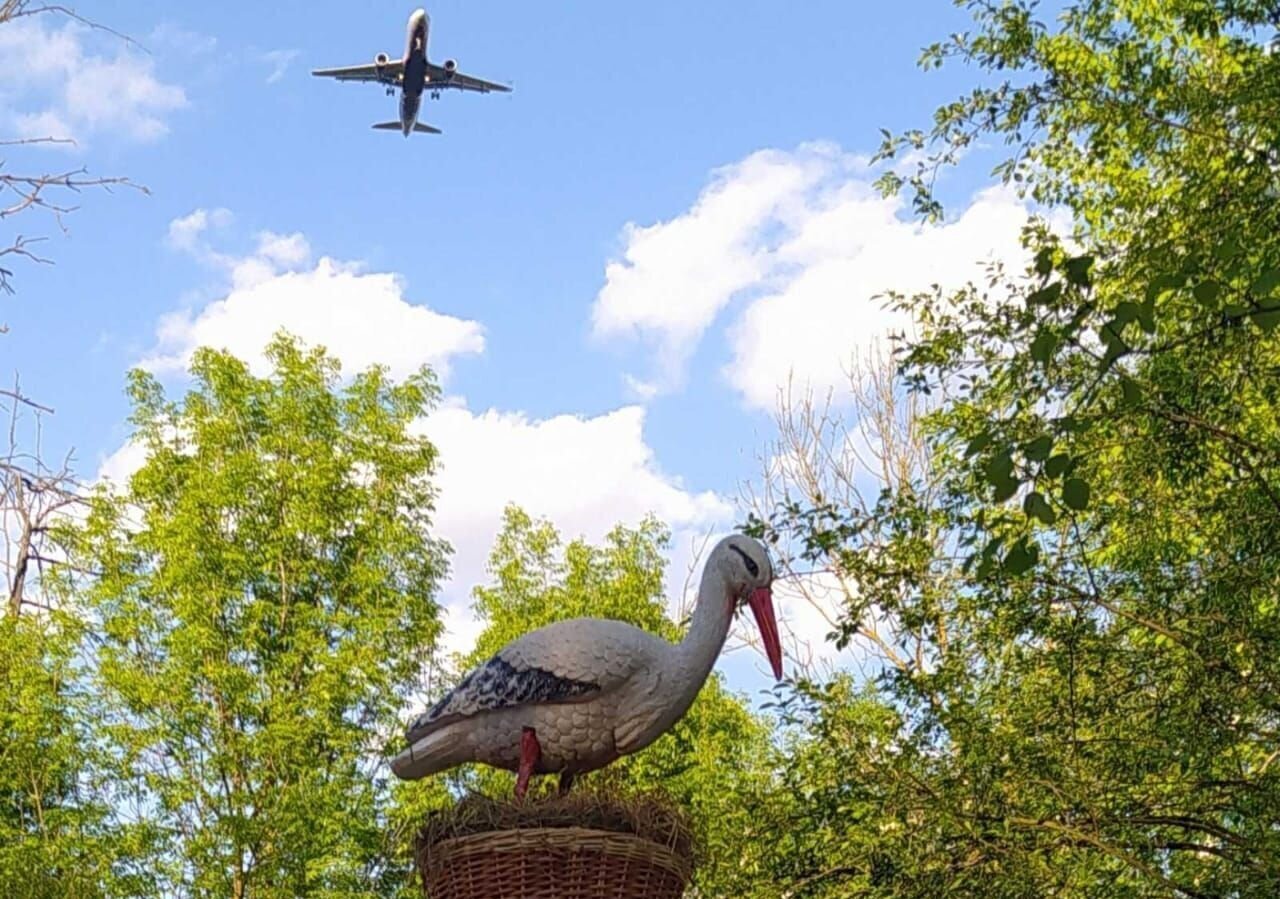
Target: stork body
575 695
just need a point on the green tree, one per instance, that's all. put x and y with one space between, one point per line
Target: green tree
62 833
59 835
1087 568
263 599
709 763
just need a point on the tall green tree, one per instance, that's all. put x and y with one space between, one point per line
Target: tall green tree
709 763
1087 569
263 596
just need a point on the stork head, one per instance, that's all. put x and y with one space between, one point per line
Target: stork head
748 573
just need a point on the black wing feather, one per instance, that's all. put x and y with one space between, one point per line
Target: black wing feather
497 684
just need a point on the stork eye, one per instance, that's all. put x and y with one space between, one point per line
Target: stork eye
747 560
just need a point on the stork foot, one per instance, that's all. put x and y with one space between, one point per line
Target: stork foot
566 781
530 753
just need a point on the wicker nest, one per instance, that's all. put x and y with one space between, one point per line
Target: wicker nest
580 846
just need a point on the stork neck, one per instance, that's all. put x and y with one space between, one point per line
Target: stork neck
707 632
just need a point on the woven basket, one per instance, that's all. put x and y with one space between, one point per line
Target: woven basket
552 863
591 844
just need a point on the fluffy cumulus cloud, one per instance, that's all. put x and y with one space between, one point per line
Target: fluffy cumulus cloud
55 85
799 244
585 474
361 317
675 277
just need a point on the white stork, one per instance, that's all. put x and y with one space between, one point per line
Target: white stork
575 695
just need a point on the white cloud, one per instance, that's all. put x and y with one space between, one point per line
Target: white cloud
802 242
118 467
584 474
809 329
279 60
809 608
362 318
675 277
182 40
55 86
186 233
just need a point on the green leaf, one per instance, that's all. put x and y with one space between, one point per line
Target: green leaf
1131 392
1045 295
1044 260
1006 488
1127 312
1043 346
1147 316
1036 506
1162 284
1267 319
978 444
1075 493
1207 292
1228 249
1267 282
1038 450
1077 270
1057 465
999 467
1021 558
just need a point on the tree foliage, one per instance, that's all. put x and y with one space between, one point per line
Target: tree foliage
263 595
63 827
1088 565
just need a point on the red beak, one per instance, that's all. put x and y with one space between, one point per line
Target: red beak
761 602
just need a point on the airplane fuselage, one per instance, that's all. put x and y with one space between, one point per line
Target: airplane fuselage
412 75
415 69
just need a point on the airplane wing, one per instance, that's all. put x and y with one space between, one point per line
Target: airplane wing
390 72
439 77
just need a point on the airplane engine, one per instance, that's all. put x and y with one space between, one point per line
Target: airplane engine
450 66
381 60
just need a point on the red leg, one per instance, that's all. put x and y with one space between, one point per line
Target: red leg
530 752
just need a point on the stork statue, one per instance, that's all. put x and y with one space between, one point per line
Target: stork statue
575 695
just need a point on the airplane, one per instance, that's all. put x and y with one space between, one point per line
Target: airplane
414 75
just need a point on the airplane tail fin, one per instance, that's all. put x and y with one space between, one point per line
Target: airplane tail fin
419 127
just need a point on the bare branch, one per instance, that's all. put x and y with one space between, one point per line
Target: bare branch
840 450
24 141
24 192
19 9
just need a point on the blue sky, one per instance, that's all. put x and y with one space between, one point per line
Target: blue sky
614 266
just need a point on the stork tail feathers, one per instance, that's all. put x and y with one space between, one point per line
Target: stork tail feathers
436 752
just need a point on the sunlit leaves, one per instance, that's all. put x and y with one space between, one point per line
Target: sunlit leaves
265 592
1099 654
